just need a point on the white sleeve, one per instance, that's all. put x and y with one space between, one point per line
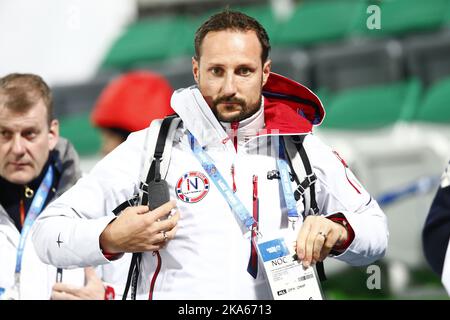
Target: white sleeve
115 274
66 234
338 191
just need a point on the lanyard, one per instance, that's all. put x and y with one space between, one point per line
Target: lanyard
234 202
33 213
288 194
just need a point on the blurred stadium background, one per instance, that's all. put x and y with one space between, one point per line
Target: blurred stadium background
386 92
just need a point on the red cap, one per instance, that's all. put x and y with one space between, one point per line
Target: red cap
131 101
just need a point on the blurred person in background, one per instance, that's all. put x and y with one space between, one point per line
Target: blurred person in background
436 232
36 166
129 103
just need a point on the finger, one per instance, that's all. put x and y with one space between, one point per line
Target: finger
90 274
171 233
63 296
61 286
155 247
312 248
160 241
67 288
328 245
301 238
319 242
167 224
137 209
308 242
309 246
163 210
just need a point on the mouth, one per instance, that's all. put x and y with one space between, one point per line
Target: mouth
18 164
230 104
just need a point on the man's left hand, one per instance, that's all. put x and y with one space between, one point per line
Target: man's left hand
93 290
317 236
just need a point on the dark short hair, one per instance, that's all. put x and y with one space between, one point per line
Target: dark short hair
232 20
21 91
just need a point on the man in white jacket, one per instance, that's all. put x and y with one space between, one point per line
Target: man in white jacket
235 114
36 166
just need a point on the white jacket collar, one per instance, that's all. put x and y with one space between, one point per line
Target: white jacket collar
198 118
250 127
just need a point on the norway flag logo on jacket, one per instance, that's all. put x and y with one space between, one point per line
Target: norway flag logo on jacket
192 187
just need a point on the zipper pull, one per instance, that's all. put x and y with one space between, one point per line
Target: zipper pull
234 127
232 175
255 187
29 193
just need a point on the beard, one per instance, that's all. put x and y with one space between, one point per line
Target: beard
241 110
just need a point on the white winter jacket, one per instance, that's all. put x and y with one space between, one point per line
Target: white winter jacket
37 278
209 256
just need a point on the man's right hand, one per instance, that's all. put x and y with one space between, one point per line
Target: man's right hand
137 229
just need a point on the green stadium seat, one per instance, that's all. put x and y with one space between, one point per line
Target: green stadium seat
150 40
320 21
447 18
265 16
400 17
372 107
79 131
324 95
436 104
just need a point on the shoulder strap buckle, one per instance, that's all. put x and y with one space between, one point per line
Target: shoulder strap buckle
309 180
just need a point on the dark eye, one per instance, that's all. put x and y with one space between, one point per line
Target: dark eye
216 71
244 71
4 134
29 134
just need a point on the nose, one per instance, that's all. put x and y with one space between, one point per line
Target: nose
18 147
229 86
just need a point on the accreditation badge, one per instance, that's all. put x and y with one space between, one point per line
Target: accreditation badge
288 279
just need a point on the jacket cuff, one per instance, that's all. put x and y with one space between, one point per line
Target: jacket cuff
340 219
87 234
110 293
112 256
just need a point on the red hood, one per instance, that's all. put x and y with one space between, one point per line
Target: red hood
289 106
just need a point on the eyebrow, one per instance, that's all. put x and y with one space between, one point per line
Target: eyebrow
213 64
29 127
246 65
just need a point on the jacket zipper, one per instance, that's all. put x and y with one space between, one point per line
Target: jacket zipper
234 127
253 261
155 275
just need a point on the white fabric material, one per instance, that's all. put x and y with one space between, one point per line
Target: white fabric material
446 270
208 257
36 278
445 178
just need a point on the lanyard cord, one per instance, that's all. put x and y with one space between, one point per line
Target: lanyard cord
285 179
35 209
245 219
238 208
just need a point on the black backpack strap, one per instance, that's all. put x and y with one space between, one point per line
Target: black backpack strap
129 203
153 174
309 200
310 178
308 182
